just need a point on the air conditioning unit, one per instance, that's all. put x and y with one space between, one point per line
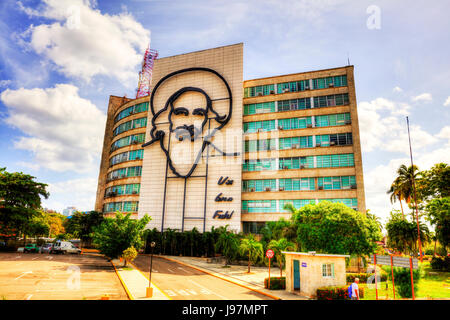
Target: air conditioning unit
252 189
137 158
280 127
285 90
272 92
295 146
353 186
306 87
318 145
330 85
346 187
320 187
302 166
348 121
332 143
281 189
285 167
135 142
260 94
260 130
309 125
268 189
244 211
134 192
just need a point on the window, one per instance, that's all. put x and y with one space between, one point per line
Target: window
332 120
263 206
299 184
126 141
294 86
253 227
259 185
336 160
141 107
340 139
133 124
259 165
296 163
257 108
337 81
331 101
295 123
268 125
259 91
328 270
296 203
124 173
295 142
351 203
259 145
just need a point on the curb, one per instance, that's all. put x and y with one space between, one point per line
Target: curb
149 280
130 296
214 275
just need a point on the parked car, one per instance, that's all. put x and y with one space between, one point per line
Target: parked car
31 247
20 249
45 248
64 247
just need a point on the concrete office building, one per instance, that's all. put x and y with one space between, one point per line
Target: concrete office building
208 149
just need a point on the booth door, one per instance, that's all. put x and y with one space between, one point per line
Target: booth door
296 275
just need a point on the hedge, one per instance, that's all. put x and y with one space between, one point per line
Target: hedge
440 264
276 283
336 293
364 276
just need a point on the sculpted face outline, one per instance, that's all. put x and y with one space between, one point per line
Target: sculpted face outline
185 131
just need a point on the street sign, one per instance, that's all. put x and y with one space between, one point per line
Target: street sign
270 253
396 261
303 264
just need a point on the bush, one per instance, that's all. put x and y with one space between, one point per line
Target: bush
129 254
440 264
402 278
336 293
363 276
276 283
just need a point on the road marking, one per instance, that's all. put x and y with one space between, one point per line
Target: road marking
18 257
206 290
170 270
23 273
29 297
34 258
181 268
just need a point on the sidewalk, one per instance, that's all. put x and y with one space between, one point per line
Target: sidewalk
135 282
238 275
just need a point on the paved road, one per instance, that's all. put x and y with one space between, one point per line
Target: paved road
180 282
34 276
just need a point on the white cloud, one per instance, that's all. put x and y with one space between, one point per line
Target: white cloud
63 131
81 192
397 89
385 127
444 133
447 102
82 42
424 97
4 83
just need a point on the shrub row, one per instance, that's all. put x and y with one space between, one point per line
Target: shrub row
336 293
440 263
363 276
276 283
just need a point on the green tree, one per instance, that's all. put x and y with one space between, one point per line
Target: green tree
82 224
335 228
251 247
278 246
435 182
228 244
114 235
438 211
129 255
20 199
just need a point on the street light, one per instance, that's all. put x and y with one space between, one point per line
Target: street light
150 289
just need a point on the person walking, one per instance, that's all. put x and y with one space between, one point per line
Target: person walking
355 289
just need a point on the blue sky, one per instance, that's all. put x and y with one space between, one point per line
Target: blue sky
61 59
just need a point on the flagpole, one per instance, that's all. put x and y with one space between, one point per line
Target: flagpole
415 196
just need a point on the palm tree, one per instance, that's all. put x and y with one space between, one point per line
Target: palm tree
227 243
278 246
403 186
251 246
170 240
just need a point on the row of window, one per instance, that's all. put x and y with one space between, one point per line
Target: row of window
270 206
124 189
326 140
298 123
126 141
132 124
299 184
127 156
125 206
297 104
296 86
140 107
323 161
124 173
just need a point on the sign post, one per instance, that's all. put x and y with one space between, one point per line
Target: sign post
376 281
392 271
412 278
269 254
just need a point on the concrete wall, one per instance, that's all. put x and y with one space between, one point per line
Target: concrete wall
227 61
311 276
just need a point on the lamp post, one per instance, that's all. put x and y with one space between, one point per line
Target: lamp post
150 289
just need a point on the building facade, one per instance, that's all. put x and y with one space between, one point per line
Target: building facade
209 149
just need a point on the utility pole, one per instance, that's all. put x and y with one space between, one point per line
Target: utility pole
415 196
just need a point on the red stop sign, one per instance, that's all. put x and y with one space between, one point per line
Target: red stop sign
270 254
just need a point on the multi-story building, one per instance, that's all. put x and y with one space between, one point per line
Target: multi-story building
287 139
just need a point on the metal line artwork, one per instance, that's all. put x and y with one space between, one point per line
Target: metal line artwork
192 133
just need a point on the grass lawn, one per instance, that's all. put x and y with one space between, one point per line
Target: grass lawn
433 284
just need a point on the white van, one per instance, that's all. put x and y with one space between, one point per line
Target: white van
64 247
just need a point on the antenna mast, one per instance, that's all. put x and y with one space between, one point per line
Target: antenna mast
145 75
